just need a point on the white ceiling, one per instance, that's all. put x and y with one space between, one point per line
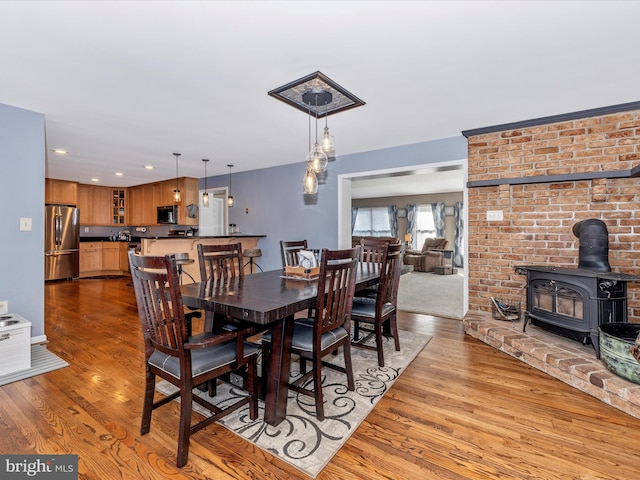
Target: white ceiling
126 84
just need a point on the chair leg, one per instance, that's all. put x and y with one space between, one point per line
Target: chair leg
348 366
394 332
252 384
186 399
378 329
147 406
317 387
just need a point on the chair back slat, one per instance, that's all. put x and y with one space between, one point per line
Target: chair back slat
335 293
220 264
157 288
289 251
390 275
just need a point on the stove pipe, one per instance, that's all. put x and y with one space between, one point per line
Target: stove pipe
593 253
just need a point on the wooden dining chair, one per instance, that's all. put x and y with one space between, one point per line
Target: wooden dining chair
182 360
375 312
372 249
289 251
219 264
314 338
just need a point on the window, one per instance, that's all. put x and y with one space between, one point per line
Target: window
425 226
372 222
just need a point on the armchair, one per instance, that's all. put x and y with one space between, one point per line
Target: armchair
429 257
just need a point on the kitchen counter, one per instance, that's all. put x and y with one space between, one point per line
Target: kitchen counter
182 244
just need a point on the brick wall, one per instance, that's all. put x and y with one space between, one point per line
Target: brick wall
538 217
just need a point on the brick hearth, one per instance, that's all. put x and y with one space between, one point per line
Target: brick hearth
562 358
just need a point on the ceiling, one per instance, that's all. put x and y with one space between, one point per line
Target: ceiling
125 84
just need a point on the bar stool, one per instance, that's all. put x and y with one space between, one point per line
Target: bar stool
181 260
251 254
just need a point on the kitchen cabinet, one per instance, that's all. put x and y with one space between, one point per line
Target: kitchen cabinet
118 204
124 257
141 206
110 257
90 258
60 192
95 203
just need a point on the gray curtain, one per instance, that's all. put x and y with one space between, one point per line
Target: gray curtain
438 218
411 222
393 219
458 243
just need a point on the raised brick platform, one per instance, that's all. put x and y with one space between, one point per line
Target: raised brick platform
562 358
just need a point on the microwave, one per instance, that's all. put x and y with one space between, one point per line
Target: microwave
168 214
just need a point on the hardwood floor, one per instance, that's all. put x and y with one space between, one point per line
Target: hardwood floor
462 410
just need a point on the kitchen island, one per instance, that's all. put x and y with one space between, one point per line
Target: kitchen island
189 245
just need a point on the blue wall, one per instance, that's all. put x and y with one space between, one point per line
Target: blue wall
277 207
22 167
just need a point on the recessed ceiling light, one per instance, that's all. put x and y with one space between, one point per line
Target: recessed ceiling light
119 174
149 167
95 179
60 151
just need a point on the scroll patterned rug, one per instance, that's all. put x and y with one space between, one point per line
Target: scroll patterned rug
303 441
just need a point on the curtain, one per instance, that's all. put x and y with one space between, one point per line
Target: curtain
438 218
458 243
411 223
393 219
354 214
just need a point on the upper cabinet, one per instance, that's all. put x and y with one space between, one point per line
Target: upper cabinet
60 192
96 205
113 206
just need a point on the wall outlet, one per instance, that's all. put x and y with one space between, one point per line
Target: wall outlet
4 307
25 224
494 215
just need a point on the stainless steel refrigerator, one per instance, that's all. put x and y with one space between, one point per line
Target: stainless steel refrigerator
61 242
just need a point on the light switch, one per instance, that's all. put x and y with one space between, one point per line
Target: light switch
494 215
25 224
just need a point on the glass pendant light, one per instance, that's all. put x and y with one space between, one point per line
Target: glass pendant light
205 194
230 197
309 181
316 157
327 139
176 193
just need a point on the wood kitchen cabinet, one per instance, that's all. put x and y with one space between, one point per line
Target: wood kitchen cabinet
124 257
110 257
141 206
95 203
60 192
90 258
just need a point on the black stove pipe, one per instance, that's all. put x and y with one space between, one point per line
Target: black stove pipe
593 253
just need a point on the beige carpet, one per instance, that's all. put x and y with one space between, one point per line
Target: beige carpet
431 294
301 440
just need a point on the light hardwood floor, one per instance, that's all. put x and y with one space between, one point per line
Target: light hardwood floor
462 410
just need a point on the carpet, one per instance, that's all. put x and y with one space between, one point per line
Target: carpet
42 361
431 294
301 440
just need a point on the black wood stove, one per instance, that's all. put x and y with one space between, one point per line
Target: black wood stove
574 302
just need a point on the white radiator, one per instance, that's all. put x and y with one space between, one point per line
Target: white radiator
15 343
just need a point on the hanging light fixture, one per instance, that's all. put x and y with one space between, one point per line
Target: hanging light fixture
317 95
205 194
326 142
176 193
230 197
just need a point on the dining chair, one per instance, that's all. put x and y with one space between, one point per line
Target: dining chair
314 338
375 312
220 264
372 255
289 251
182 360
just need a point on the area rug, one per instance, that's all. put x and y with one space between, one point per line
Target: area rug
431 294
42 361
301 440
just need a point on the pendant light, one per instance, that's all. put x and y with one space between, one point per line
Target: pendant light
326 141
309 181
316 157
176 193
205 194
230 197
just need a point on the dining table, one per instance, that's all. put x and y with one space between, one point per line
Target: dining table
269 300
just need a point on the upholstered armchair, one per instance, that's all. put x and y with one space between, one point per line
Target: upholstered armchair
429 257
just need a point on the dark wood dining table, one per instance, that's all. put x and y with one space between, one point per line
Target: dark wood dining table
269 300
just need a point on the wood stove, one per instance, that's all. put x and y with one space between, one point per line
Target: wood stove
574 302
